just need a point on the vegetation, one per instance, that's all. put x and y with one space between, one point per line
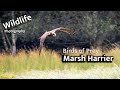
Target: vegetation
92 29
22 62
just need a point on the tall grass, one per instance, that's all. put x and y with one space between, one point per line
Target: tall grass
49 61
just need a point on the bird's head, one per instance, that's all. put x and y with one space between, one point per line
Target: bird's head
54 34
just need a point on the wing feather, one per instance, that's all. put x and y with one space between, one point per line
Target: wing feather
42 39
66 30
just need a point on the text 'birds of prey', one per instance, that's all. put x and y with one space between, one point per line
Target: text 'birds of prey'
51 33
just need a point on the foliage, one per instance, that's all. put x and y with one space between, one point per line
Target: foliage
50 61
93 28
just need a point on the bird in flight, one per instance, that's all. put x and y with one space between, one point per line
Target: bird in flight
52 33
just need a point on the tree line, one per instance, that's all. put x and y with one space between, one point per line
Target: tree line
92 29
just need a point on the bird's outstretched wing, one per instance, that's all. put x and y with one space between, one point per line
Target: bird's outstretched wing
66 30
42 39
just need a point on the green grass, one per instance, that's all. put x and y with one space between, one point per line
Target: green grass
22 62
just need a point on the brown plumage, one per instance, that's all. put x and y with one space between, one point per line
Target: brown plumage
51 33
